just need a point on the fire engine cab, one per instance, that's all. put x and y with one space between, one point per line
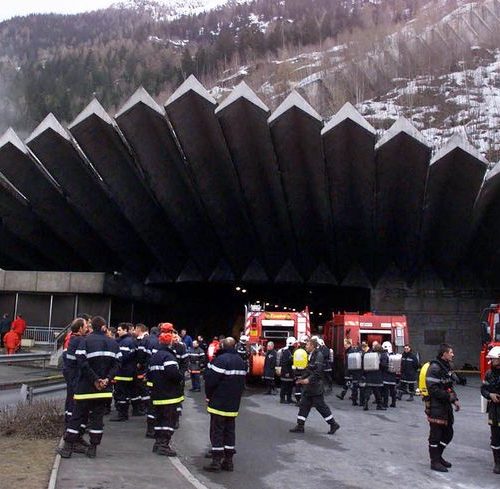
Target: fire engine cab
367 327
490 334
262 326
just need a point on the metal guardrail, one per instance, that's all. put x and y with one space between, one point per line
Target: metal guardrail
29 392
43 335
25 357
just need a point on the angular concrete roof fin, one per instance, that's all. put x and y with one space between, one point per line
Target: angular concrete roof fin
322 275
288 274
242 90
50 122
222 272
255 273
402 125
190 273
140 96
10 136
294 100
348 111
458 142
191 83
94 108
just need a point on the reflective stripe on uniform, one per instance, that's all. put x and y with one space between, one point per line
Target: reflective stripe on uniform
222 413
149 384
124 379
95 395
163 402
227 372
70 357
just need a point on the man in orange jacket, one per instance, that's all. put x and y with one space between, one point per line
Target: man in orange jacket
12 342
19 326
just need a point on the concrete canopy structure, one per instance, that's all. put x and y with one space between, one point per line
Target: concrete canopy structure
195 192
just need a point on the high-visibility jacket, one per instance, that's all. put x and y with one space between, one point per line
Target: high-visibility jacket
19 326
299 359
212 350
11 340
225 382
98 357
165 377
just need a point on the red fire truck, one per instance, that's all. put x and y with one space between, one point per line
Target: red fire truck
262 326
367 327
490 334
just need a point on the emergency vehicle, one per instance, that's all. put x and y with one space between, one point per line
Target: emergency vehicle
367 327
490 335
262 326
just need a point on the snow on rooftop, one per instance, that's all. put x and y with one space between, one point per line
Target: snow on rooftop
140 96
494 171
402 125
348 111
191 83
458 142
242 90
50 122
94 108
10 136
294 100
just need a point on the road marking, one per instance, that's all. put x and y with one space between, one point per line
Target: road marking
185 472
55 467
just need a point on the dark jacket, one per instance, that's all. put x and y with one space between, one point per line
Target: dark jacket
270 364
242 350
327 357
314 373
389 378
196 360
164 374
409 367
351 374
372 378
142 345
287 364
439 382
98 357
70 365
225 382
4 325
182 356
152 345
491 385
128 349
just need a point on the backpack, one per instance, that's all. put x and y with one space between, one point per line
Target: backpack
422 380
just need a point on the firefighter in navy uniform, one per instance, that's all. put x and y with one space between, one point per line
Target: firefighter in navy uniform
182 356
389 379
312 393
167 391
286 375
242 349
196 365
98 359
491 390
409 370
152 346
141 393
351 377
439 406
124 379
299 366
328 370
224 385
270 367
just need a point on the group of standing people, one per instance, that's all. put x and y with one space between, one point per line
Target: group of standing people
11 333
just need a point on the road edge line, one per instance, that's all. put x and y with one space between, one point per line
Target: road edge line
185 472
55 468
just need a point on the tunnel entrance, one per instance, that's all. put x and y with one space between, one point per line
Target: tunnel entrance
212 309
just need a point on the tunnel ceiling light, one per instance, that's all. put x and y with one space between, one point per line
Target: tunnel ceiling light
312 312
321 314
268 304
244 291
285 308
276 305
238 288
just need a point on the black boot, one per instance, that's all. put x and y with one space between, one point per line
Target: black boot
299 428
435 456
341 395
216 463
136 410
121 415
496 458
354 402
365 406
91 451
227 463
80 446
66 450
410 399
156 445
334 426
393 403
165 449
150 431
381 407
441 459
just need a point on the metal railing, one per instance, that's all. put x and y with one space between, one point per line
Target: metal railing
42 335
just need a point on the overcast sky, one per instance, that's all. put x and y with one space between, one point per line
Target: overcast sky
11 8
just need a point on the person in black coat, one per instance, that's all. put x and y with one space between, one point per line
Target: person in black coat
409 372
224 386
439 404
373 381
313 390
270 368
389 378
286 375
4 328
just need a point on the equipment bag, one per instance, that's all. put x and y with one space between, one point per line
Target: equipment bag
371 361
354 361
422 380
395 363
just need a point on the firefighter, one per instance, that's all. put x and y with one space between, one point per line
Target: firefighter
196 365
152 346
124 380
167 391
212 348
182 357
409 370
328 370
373 382
286 375
491 391
224 385
312 394
98 358
389 379
270 368
242 349
299 365
70 367
439 406
141 392
351 377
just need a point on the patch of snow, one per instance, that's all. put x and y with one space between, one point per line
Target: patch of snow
242 91
191 84
10 136
50 122
294 100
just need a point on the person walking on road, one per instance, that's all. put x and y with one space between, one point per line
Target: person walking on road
439 405
98 359
490 390
313 390
286 371
224 385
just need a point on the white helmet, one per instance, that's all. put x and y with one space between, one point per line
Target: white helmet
494 353
290 341
387 346
304 339
321 342
243 338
